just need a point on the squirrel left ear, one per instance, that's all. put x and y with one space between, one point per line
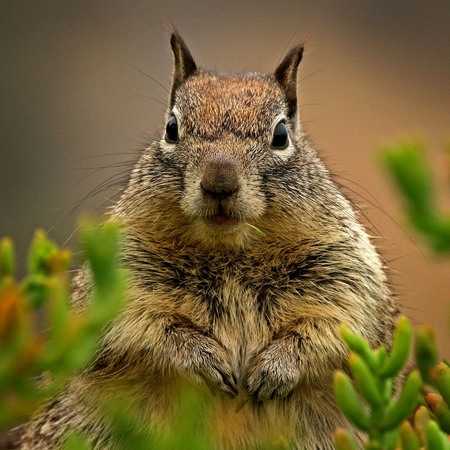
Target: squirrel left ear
184 64
286 75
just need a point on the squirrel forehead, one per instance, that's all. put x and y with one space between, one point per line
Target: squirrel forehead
246 106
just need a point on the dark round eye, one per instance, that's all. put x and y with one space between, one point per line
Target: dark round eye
280 139
172 130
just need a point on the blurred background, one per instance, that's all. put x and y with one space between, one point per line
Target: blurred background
83 87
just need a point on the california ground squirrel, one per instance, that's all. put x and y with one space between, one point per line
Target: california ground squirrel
244 258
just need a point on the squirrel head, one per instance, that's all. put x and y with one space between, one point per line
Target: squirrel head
232 152
285 74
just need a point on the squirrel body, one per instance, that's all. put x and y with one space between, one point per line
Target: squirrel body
244 258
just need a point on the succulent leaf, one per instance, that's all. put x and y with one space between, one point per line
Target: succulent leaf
401 409
400 349
365 380
426 352
344 440
443 381
436 439
358 345
440 409
7 257
408 437
349 401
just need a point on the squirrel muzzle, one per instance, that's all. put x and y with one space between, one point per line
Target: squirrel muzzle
220 185
220 178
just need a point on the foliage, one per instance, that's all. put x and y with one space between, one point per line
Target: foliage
409 169
375 407
190 432
39 332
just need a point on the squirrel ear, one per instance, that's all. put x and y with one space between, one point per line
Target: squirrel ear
184 64
286 75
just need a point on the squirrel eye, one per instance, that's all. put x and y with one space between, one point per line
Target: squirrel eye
280 139
172 130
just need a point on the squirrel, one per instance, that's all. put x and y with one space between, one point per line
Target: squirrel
244 258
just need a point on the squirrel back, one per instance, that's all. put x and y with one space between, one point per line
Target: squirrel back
244 258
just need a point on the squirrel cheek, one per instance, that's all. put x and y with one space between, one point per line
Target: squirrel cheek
284 154
191 198
165 147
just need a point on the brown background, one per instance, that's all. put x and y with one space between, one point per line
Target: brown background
71 99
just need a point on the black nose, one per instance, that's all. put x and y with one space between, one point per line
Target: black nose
220 178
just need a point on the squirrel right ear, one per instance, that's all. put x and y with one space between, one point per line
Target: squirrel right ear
184 64
286 75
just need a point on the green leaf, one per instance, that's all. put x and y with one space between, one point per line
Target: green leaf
426 352
421 419
256 228
400 349
40 252
390 439
408 437
440 409
101 245
381 355
407 164
436 439
349 401
443 381
359 346
35 287
7 257
401 409
414 179
365 380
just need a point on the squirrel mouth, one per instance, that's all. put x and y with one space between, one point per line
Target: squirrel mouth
221 220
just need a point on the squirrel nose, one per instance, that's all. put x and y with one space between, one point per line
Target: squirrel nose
220 178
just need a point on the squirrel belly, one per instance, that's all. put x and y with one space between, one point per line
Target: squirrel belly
244 258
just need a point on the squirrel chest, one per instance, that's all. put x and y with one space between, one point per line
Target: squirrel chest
234 299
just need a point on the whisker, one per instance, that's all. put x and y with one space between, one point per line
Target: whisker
311 74
154 99
150 77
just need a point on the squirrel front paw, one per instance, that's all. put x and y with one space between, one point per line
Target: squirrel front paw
210 363
273 373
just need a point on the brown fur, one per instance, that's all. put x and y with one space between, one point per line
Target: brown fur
254 316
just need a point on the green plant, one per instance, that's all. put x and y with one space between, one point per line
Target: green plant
39 333
408 167
372 404
375 373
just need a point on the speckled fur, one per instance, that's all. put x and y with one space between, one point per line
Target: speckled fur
257 314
